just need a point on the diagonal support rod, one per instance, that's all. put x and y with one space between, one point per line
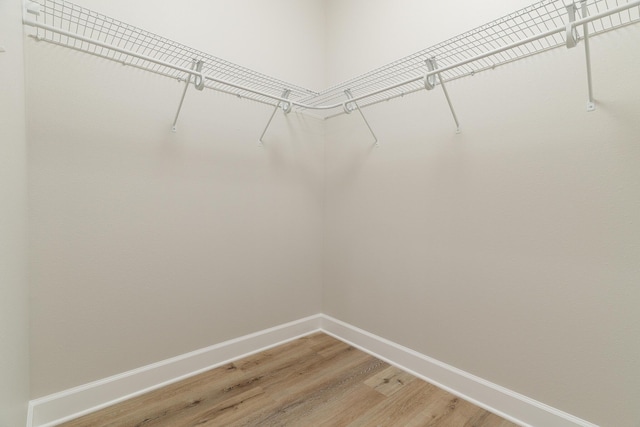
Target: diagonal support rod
572 38
286 107
184 92
591 104
430 83
348 110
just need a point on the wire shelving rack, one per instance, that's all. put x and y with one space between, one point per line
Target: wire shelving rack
66 24
540 27
539 18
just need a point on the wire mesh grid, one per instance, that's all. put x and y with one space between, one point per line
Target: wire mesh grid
528 22
106 37
108 33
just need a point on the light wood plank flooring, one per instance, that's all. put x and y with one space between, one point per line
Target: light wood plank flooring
312 381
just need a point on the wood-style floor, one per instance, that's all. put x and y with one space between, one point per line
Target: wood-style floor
312 381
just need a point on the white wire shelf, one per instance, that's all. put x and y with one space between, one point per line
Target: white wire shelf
534 29
67 24
516 27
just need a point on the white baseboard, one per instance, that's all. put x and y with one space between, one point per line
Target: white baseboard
54 409
57 408
497 399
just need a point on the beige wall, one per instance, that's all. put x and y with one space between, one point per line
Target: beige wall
147 244
512 250
14 355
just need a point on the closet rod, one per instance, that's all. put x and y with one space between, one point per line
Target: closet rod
343 104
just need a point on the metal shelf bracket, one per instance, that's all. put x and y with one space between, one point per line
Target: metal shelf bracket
571 32
429 77
31 7
430 83
198 81
195 66
349 106
286 107
591 104
572 39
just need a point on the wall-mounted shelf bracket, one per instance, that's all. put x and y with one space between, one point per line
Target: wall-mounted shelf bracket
572 39
31 7
430 83
571 32
430 80
286 107
591 105
197 65
349 106
198 81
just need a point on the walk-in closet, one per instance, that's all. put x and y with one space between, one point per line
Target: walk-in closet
329 212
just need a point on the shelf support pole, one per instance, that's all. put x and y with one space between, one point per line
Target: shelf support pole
430 83
348 109
591 104
195 65
572 38
285 106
